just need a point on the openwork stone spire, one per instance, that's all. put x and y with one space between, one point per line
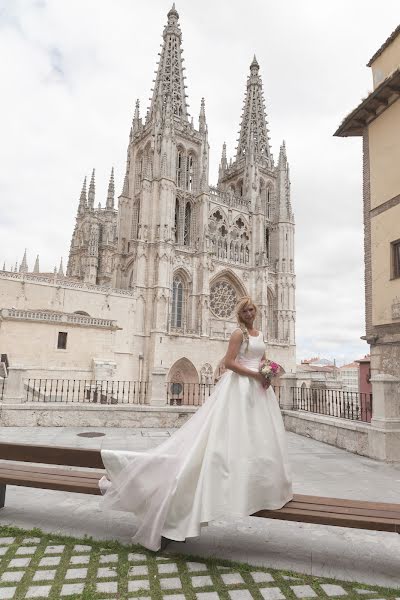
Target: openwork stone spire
61 269
36 268
23 267
253 128
92 191
111 191
83 198
170 80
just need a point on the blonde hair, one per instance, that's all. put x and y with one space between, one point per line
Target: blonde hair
243 302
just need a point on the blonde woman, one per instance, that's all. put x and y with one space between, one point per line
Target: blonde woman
228 459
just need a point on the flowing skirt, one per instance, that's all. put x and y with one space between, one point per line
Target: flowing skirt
228 459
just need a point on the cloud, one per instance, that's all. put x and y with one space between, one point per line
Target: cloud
69 86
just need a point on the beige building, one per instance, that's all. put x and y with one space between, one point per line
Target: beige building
349 375
377 120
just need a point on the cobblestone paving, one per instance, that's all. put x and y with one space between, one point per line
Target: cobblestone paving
35 565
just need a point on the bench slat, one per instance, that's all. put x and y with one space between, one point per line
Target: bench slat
78 481
52 455
345 502
354 510
7 468
335 519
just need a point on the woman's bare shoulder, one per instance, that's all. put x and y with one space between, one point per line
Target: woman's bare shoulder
237 334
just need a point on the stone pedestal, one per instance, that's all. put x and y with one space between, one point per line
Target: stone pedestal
14 392
288 381
384 436
158 389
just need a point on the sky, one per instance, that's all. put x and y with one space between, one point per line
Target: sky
71 71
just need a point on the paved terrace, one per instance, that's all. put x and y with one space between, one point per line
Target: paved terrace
346 554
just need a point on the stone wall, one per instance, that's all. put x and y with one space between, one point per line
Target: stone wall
70 415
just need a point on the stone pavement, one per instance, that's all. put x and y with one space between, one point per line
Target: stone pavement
346 554
53 568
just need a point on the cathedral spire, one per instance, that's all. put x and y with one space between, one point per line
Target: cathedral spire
23 267
170 79
92 191
136 121
253 129
202 117
111 191
61 269
223 165
83 198
36 268
283 196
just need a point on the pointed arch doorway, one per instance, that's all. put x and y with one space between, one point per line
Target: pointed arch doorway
183 384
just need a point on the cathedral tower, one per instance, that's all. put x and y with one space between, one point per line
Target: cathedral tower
186 250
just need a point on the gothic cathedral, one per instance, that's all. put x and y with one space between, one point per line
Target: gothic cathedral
187 249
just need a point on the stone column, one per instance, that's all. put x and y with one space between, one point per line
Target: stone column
158 389
288 381
14 392
384 436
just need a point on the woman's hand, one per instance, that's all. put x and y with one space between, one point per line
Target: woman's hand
262 380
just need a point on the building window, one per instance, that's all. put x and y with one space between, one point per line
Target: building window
268 203
177 303
62 340
223 299
266 242
186 233
176 221
179 169
395 247
189 173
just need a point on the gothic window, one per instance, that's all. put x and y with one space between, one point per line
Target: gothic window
270 316
206 373
239 223
176 221
240 188
223 299
179 169
268 203
135 219
190 173
217 216
267 241
186 233
139 170
177 302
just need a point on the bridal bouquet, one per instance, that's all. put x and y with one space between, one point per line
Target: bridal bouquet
269 368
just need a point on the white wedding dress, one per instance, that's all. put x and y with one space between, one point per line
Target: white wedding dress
228 459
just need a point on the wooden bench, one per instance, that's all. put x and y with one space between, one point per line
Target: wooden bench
83 481
357 514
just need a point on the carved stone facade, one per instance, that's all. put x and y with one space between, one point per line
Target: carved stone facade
186 250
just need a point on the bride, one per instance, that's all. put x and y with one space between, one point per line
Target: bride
228 459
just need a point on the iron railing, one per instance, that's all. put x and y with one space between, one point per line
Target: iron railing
194 394
277 390
86 391
355 406
188 394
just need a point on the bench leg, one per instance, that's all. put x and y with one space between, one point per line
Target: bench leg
2 495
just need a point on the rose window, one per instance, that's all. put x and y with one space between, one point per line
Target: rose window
222 299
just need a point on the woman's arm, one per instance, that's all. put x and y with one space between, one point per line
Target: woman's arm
231 354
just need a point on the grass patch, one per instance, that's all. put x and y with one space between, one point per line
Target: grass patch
109 569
